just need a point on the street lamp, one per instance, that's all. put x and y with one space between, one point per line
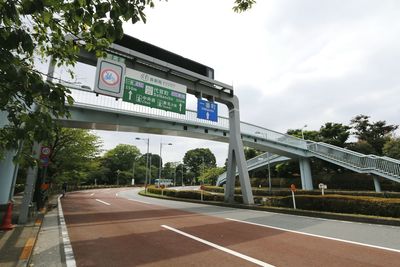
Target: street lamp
147 161
269 172
160 167
302 131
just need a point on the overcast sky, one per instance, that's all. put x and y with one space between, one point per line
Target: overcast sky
291 62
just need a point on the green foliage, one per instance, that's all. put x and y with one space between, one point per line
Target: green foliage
243 5
198 160
120 159
374 133
392 148
43 28
250 153
334 133
210 176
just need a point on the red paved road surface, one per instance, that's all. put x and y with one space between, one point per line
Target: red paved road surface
130 233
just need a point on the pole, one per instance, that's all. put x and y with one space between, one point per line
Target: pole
269 174
182 175
294 200
175 176
147 166
159 166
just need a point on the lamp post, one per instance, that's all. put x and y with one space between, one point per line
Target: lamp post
268 155
160 167
147 161
302 131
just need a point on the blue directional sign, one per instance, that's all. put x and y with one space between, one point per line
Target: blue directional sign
207 110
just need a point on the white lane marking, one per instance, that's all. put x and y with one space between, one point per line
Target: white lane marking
69 254
92 194
319 236
101 201
116 194
144 202
227 250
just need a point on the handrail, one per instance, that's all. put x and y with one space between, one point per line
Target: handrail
84 97
366 163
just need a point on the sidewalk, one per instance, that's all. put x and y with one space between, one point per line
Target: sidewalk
36 243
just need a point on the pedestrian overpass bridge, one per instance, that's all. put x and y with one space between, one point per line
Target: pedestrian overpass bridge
106 113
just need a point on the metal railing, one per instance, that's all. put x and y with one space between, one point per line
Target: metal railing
86 98
365 163
256 162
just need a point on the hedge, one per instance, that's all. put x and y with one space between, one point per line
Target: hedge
385 207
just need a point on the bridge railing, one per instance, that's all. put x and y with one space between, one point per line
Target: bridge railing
105 102
363 162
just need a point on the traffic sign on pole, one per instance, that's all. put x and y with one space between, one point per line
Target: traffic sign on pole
148 90
207 110
109 78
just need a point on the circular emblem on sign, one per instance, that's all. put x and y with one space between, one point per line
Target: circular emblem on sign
110 77
45 151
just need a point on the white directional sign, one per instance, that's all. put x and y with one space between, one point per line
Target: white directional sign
110 78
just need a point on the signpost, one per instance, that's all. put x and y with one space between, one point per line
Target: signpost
148 90
293 188
207 110
322 187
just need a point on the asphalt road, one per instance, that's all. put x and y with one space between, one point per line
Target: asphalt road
117 227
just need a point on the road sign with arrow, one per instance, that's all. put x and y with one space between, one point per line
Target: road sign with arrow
207 110
148 90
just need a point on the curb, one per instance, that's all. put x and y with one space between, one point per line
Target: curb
297 212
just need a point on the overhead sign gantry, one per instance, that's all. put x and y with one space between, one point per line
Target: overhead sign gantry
158 78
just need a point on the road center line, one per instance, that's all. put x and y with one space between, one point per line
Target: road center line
227 250
92 194
101 201
319 236
144 202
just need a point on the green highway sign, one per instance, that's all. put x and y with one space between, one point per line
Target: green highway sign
147 90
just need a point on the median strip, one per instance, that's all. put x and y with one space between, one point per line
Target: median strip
101 201
227 250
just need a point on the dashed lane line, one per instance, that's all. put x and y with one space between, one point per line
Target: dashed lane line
224 249
144 202
314 235
101 201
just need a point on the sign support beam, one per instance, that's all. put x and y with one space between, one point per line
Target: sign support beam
206 87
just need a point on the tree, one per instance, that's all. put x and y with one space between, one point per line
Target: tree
392 148
29 29
210 176
308 135
199 159
375 134
334 133
250 153
120 158
43 28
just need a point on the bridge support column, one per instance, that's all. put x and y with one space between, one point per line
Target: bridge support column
305 172
7 168
236 158
377 184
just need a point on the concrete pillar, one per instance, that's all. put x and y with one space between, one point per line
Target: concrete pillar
305 172
31 177
7 167
377 184
236 158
